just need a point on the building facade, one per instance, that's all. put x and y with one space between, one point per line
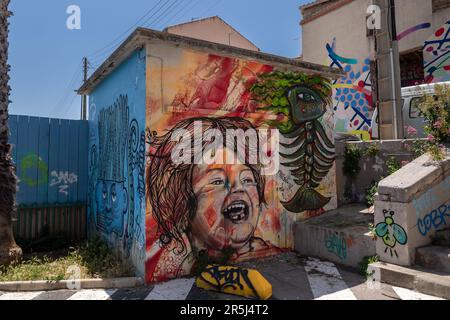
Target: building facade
213 29
335 33
156 107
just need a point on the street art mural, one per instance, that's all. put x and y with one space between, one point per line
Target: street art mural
391 233
201 211
436 53
116 161
353 97
117 169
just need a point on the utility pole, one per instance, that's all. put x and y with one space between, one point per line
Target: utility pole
388 77
84 97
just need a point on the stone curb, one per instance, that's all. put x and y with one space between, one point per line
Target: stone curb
115 283
420 281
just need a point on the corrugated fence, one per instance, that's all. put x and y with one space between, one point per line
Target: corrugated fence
51 161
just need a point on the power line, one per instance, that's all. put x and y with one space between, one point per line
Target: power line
176 3
69 88
125 33
177 15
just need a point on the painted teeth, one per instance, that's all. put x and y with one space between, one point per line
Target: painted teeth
235 207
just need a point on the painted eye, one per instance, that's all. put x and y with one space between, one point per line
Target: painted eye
218 182
104 195
248 181
113 197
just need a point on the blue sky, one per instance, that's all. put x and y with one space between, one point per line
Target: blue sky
45 56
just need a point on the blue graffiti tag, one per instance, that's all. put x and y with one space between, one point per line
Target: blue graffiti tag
434 220
336 245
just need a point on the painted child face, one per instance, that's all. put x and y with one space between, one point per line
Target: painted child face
227 205
111 205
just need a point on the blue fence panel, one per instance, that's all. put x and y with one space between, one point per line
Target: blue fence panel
51 160
43 172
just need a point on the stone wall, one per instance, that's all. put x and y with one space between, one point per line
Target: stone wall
373 167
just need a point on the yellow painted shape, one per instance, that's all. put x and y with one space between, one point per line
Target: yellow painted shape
237 281
365 135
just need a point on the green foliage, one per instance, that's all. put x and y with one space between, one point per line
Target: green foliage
372 150
94 259
352 158
370 194
419 147
393 165
364 265
435 108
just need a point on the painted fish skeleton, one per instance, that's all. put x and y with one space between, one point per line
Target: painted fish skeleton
310 154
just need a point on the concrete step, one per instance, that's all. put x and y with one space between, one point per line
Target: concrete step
434 258
413 278
341 236
442 238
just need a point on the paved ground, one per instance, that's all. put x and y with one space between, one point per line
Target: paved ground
292 278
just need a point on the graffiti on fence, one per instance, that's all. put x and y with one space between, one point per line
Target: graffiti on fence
33 162
63 180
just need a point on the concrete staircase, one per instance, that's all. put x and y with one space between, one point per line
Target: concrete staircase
341 236
437 256
430 274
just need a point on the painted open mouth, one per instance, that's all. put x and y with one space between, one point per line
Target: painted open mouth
236 212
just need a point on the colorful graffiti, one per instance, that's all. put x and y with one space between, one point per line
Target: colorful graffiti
32 162
300 101
198 211
413 29
353 98
391 233
436 53
117 165
237 281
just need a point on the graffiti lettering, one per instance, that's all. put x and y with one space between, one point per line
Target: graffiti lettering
434 220
229 280
337 244
432 198
63 180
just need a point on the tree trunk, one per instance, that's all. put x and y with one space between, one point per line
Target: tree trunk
9 251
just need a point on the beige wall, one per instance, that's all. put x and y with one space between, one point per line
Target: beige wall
214 30
348 25
344 24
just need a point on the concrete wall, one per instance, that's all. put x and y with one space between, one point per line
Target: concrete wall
116 195
185 208
373 168
411 206
213 29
